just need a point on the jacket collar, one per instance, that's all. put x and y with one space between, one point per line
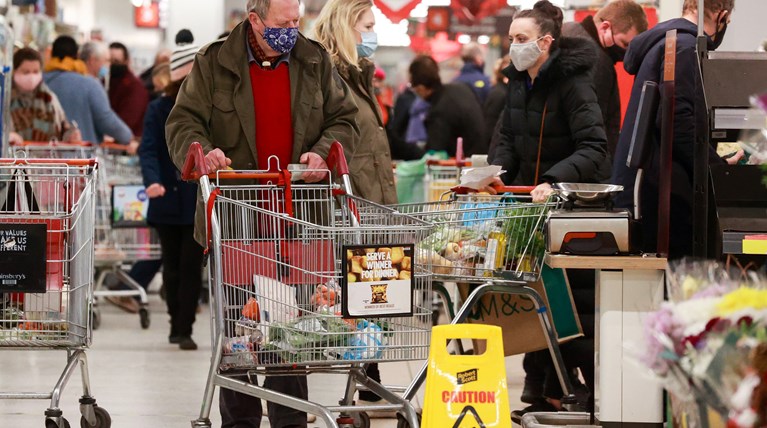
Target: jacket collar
361 81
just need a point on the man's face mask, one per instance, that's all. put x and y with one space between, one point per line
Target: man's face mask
615 52
281 40
721 29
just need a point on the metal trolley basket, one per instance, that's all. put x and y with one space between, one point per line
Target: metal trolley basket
46 218
117 246
495 242
285 258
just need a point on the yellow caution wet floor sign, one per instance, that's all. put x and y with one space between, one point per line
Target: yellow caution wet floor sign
466 391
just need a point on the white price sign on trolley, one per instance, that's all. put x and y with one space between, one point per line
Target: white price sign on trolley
378 281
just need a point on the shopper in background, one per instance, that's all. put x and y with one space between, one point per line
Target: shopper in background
127 94
237 103
645 60
552 132
384 102
161 77
454 111
35 111
396 130
147 77
171 210
95 55
82 97
611 30
346 29
473 72
494 105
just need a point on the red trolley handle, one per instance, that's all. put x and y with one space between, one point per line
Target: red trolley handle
114 146
448 162
68 162
336 159
196 167
498 188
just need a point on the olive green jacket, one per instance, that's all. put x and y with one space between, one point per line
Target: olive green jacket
371 166
215 106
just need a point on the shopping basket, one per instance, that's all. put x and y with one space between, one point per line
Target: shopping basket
494 241
46 269
307 278
123 236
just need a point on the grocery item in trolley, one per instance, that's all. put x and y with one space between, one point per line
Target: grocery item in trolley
483 236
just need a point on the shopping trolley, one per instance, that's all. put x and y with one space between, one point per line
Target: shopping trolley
309 279
495 242
122 235
46 270
441 176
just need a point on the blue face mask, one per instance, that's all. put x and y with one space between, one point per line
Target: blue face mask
103 71
281 40
369 44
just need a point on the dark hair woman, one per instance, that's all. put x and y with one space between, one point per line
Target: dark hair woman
552 132
552 127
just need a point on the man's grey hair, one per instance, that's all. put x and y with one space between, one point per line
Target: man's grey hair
471 51
261 7
93 49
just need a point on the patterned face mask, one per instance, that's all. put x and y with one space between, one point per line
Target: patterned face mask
281 40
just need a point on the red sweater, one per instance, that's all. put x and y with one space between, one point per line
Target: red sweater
274 123
129 99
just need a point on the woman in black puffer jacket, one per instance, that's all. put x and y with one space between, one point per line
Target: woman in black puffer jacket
552 132
551 106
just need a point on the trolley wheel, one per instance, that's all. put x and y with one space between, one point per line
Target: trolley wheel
362 420
144 317
50 423
403 423
103 420
96 319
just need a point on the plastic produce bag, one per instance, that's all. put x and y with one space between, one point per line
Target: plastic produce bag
410 174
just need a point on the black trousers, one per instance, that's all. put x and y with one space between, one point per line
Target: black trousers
244 411
182 275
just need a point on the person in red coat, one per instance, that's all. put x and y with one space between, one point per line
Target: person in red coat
127 94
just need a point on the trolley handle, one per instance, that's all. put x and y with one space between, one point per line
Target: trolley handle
337 160
52 144
109 145
67 162
458 190
196 167
448 162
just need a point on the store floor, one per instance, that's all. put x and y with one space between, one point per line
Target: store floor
144 382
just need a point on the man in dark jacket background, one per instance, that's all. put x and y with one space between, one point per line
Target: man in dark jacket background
611 29
645 60
473 72
454 112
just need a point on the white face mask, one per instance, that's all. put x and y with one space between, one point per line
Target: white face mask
524 55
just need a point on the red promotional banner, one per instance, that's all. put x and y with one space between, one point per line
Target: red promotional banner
397 10
469 11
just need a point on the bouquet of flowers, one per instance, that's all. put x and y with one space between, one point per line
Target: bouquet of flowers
708 344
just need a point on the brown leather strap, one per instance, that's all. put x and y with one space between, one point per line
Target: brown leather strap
540 144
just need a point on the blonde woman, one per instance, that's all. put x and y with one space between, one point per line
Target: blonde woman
346 29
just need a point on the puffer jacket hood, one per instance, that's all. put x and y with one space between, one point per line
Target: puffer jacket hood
575 56
645 42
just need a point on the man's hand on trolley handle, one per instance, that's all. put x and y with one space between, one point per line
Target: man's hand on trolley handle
217 160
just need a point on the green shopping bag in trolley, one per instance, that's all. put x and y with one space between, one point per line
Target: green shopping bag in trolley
466 391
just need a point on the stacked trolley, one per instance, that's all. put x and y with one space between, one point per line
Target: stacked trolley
309 279
494 242
122 235
46 267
